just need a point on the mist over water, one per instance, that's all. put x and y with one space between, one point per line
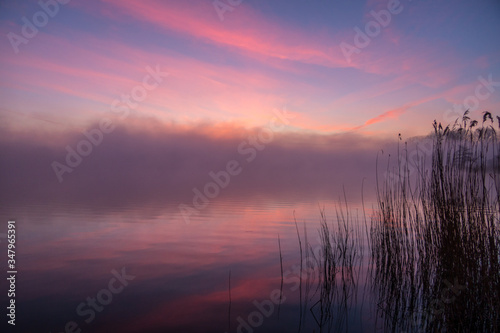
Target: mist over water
120 209
296 239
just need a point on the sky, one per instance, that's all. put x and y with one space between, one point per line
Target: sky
343 74
232 65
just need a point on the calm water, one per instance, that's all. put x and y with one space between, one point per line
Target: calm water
141 268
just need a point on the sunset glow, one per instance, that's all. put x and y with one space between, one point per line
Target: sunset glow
260 57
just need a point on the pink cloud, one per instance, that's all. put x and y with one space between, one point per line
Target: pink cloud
247 95
251 34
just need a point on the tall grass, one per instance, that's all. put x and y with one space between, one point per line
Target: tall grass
334 268
435 238
434 241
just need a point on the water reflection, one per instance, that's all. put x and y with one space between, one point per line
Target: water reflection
349 267
331 280
181 270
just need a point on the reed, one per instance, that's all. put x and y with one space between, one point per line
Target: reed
337 266
434 242
435 238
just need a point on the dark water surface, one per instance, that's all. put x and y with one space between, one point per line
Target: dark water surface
144 269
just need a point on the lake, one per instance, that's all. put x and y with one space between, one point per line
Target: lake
161 239
143 268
